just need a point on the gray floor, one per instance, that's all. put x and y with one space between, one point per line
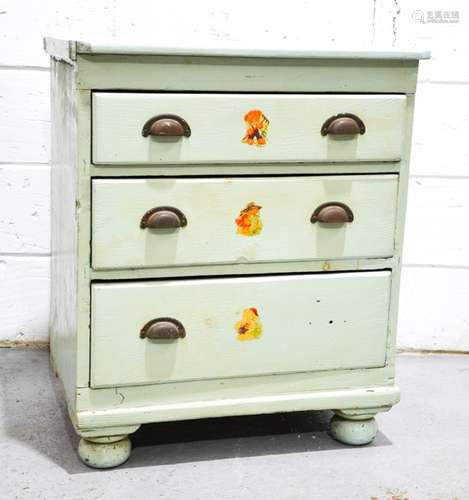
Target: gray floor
421 452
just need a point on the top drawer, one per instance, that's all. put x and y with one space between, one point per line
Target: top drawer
237 128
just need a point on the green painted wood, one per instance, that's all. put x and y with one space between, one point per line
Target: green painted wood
226 169
241 74
97 411
376 398
311 266
235 388
104 453
218 126
57 47
64 315
304 323
132 48
353 432
211 207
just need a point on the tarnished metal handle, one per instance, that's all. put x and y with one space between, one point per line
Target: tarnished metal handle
163 329
343 124
166 126
332 212
163 218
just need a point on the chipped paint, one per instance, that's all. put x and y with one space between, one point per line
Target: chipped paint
208 322
121 396
326 266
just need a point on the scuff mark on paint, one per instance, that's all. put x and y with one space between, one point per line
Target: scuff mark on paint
249 221
326 266
120 395
257 126
250 326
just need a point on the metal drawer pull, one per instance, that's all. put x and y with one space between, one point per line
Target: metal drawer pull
166 126
332 212
163 218
343 124
163 329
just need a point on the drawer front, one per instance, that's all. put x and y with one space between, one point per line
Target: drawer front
238 327
231 128
235 220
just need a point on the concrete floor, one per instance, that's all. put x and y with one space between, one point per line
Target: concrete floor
421 451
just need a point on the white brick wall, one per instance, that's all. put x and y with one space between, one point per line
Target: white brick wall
435 282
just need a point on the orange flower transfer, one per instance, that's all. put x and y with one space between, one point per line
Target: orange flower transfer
249 221
250 327
257 125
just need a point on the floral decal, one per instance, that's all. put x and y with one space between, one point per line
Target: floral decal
250 327
249 221
257 125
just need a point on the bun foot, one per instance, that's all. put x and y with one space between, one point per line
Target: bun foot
353 432
104 452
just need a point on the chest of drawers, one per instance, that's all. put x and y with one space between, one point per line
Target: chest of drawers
227 232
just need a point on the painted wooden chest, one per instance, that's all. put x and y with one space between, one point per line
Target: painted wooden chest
227 234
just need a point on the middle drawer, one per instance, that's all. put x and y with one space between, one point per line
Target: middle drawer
239 220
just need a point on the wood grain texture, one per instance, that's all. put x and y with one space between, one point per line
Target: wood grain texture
64 197
60 50
244 74
319 330
130 396
378 398
212 205
57 47
218 126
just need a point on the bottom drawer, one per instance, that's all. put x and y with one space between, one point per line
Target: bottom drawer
237 327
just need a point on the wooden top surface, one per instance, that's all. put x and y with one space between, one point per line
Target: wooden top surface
68 50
